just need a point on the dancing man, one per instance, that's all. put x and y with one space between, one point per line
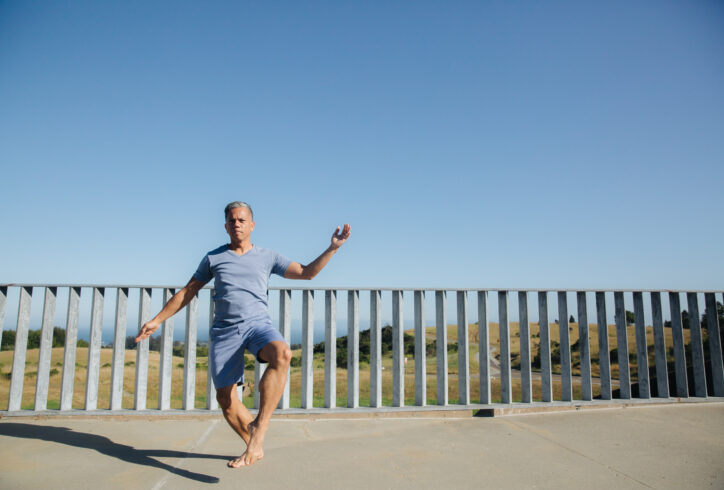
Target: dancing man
241 273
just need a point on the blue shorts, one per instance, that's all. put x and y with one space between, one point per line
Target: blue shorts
228 345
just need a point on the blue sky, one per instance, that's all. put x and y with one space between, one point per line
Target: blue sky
469 144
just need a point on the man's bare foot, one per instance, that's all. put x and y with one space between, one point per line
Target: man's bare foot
254 451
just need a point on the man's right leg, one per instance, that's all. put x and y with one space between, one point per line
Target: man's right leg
235 413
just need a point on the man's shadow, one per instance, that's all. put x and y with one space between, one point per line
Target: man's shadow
103 445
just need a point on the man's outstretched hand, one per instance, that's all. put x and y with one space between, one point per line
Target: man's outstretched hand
146 331
338 238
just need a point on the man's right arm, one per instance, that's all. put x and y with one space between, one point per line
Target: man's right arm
178 301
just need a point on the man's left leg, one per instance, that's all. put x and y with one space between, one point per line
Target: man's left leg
271 387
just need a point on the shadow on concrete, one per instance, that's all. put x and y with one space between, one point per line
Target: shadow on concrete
103 445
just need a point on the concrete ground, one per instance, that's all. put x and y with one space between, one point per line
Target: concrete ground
671 446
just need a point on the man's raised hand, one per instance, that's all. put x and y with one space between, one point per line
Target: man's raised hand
146 331
338 238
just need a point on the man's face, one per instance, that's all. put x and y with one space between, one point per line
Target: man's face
239 224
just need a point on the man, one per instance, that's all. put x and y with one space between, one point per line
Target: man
241 273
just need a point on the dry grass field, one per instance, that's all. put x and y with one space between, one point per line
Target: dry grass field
31 367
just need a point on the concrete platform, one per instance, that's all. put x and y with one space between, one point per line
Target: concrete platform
641 446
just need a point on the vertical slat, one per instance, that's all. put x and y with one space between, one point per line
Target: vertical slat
3 300
525 379
46 346
546 384
642 354
677 334
484 344
211 403
697 347
94 350
307 346
584 346
375 349
662 376
604 359
330 349
715 353
164 380
544 348
420 367
119 349
144 312
71 338
506 390
352 349
192 321
441 345
398 351
624 376
285 327
21 345
259 369
565 346
463 349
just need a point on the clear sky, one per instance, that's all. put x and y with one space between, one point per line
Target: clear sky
469 144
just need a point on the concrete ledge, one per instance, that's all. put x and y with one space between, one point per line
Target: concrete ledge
498 410
430 411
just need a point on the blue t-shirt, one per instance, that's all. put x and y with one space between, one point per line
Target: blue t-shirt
241 282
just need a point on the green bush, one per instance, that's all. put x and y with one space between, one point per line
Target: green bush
8 342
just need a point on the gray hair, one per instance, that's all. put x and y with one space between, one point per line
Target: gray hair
237 204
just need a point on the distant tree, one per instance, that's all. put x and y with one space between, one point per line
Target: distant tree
58 337
408 342
342 357
431 348
33 339
719 314
8 342
555 351
154 343
630 318
572 320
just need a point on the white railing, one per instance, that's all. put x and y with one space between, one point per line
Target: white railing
700 381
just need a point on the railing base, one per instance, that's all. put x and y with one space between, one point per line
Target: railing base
430 411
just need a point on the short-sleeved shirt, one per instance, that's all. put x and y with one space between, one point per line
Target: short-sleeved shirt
241 282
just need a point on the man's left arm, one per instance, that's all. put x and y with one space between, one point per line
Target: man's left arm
299 271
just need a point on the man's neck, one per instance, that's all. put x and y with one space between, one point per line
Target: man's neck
240 248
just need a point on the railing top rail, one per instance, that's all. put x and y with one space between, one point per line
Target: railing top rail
367 288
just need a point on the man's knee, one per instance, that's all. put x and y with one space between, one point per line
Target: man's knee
277 354
285 356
